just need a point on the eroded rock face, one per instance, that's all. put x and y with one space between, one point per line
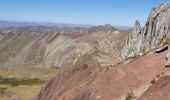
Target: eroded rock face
155 32
133 42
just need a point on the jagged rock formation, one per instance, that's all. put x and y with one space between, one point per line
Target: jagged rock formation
133 42
155 32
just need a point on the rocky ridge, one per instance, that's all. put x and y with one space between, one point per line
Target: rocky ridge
155 33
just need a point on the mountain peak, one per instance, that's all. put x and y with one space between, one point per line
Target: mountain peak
137 25
107 26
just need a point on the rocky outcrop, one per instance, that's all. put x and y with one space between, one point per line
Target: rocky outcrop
133 42
162 49
155 32
167 60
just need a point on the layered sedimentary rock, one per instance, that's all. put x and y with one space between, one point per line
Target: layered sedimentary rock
12 43
155 32
58 49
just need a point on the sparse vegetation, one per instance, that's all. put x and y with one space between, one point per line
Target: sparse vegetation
148 51
167 42
153 81
129 96
24 82
157 76
2 91
163 43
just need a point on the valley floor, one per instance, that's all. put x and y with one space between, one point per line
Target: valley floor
23 83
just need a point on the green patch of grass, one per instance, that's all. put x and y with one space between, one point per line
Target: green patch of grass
25 82
16 82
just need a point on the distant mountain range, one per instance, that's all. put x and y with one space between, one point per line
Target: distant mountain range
6 24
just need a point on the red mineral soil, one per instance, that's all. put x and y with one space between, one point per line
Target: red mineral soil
74 35
160 90
90 81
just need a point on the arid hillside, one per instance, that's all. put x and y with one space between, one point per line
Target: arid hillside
61 48
32 55
141 72
89 62
91 81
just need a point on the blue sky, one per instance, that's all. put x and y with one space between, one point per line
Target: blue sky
115 12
